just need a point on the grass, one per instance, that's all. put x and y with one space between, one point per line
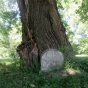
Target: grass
74 75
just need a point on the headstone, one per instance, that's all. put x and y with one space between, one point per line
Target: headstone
51 59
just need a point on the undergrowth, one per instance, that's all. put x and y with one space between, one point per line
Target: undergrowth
11 76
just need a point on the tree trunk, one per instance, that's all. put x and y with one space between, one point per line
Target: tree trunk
41 29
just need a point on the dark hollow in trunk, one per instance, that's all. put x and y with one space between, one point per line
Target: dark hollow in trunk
41 29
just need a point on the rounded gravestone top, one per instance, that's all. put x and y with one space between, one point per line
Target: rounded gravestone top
51 59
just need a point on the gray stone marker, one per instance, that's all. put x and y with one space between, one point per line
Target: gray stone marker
51 59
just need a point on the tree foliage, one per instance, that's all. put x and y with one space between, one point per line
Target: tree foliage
75 20
10 29
83 10
73 13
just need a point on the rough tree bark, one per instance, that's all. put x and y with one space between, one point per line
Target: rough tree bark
41 29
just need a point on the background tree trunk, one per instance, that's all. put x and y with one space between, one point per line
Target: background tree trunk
41 29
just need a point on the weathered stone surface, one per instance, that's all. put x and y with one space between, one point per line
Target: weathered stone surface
51 59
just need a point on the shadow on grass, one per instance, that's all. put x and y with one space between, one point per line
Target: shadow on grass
82 62
12 77
10 74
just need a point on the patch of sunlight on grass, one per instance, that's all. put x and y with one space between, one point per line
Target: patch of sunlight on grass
83 55
72 71
8 61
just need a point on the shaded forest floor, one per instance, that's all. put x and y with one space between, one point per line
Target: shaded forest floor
74 75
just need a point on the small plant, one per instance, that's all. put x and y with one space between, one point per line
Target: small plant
62 48
35 66
22 64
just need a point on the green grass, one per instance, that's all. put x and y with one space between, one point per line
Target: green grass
76 75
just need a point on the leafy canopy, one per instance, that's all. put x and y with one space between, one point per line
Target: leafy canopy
73 13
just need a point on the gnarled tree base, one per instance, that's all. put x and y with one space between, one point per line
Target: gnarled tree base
28 51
